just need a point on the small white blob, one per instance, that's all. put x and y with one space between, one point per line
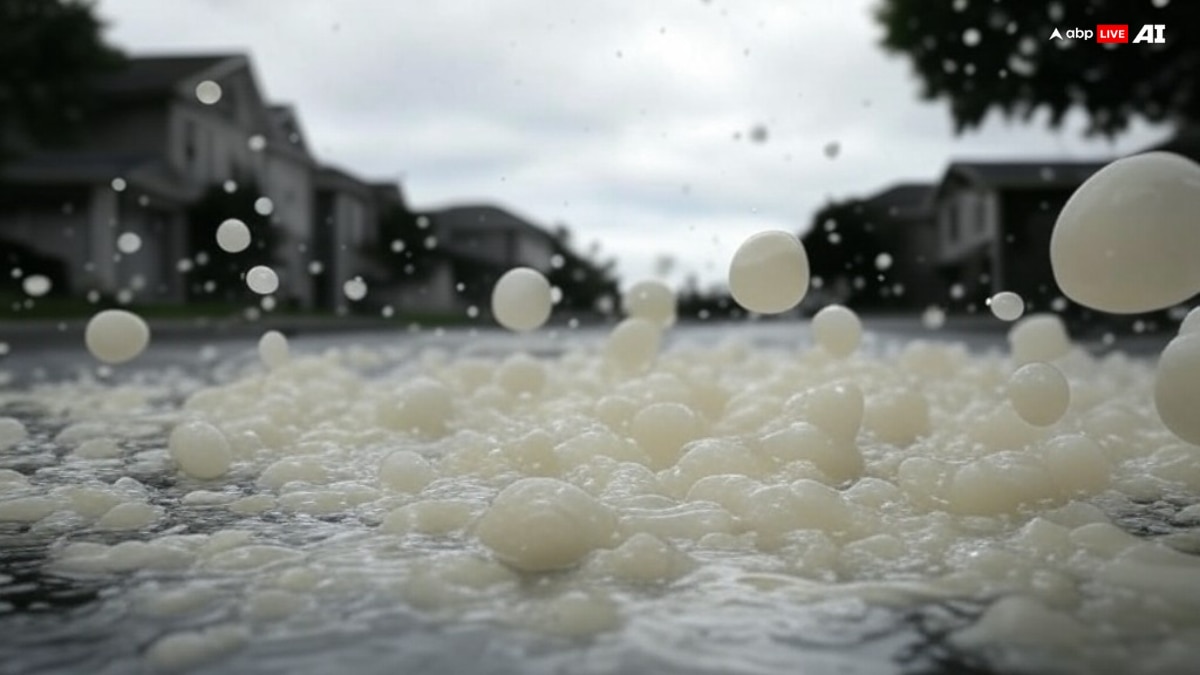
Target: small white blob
769 272
355 289
1007 306
883 261
652 300
1039 337
257 143
262 280
116 336
36 285
129 242
263 206
1039 393
273 349
118 184
233 236
200 450
1126 240
521 299
208 92
1177 387
933 317
838 330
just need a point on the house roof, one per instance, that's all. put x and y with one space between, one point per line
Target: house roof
485 215
155 75
903 200
1024 175
146 173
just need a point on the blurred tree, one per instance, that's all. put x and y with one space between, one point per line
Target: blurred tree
982 55
842 244
402 245
52 51
583 279
227 270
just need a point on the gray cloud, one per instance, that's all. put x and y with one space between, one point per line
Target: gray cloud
615 117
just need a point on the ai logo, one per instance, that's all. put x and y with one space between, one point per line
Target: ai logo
1151 32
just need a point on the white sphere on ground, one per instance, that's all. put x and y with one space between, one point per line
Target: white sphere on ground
1126 240
116 336
262 280
233 236
521 299
838 330
541 524
1039 337
769 273
1177 387
200 450
1007 306
633 345
651 300
273 349
1039 393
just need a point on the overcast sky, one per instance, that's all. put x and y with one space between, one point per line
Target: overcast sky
629 120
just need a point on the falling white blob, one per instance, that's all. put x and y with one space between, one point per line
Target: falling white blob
1039 393
1177 387
1007 306
838 330
933 317
208 92
129 243
263 206
1040 337
233 236
769 272
116 336
257 143
118 184
355 289
521 299
262 280
652 300
883 261
36 285
1126 240
273 349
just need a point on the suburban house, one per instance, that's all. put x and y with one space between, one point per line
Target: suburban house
473 246
994 221
154 150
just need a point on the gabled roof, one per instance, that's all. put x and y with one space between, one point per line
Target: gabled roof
485 216
1024 175
903 200
159 75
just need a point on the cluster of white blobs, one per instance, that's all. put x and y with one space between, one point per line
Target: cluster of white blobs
233 236
116 336
1007 306
521 299
262 280
769 272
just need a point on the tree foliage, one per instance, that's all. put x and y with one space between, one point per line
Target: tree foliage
52 52
984 55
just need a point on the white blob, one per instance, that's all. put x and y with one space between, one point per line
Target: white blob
1126 241
633 345
1177 387
36 285
208 92
200 450
12 431
263 206
541 524
1190 323
933 318
273 349
769 272
233 236
262 280
521 299
355 289
1039 337
257 143
118 184
129 242
838 330
883 261
652 300
1039 393
1007 306
116 336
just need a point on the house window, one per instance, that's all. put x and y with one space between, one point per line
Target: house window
189 144
981 217
950 217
